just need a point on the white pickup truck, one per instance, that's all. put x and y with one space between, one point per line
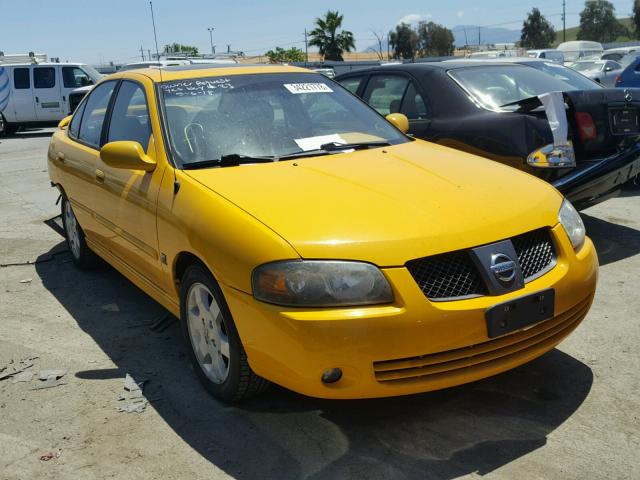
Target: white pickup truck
37 94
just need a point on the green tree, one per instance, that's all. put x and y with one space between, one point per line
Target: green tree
537 32
635 18
178 48
404 41
434 39
331 43
280 55
598 22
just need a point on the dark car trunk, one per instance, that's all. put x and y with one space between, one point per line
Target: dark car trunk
615 114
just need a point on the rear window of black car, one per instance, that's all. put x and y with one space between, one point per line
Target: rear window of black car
495 86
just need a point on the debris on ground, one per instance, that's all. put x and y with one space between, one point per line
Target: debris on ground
22 377
14 367
26 280
51 455
50 378
134 400
162 324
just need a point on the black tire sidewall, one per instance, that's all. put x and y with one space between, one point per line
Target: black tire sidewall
86 258
228 390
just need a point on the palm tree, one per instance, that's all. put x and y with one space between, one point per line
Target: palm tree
330 43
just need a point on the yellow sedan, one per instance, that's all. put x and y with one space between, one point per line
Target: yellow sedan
305 240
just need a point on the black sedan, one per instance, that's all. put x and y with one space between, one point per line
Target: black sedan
497 110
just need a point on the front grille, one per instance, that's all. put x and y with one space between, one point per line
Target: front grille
489 356
453 275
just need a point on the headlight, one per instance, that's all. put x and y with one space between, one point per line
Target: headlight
553 156
318 283
572 223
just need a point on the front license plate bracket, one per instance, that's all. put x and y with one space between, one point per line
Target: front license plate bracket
520 313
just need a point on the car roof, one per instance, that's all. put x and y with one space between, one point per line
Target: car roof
42 64
180 72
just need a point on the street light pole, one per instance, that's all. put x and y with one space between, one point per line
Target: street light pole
211 29
564 24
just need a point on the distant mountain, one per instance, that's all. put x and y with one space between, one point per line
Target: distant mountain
487 35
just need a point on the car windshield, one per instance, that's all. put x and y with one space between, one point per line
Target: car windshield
628 59
266 115
499 85
585 66
92 73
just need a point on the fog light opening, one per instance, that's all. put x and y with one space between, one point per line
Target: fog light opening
332 375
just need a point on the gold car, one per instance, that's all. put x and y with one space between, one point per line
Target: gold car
303 239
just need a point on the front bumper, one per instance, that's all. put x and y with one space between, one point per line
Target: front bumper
600 179
413 345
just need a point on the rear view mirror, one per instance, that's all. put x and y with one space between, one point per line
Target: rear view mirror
64 122
399 120
127 155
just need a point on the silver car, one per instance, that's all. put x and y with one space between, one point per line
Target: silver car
602 71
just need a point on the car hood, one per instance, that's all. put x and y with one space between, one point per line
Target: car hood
387 205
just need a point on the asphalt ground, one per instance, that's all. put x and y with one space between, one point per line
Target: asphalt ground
571 414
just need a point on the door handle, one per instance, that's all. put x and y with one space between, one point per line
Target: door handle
99 175
64 98
60 156
37 100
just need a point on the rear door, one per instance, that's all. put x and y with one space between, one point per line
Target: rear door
78 154
398 93
46 90
22 95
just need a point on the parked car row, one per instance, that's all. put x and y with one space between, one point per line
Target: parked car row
304 239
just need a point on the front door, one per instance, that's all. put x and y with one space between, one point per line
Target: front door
22 96
46 90
127 199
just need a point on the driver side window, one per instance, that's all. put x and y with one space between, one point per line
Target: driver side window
130 117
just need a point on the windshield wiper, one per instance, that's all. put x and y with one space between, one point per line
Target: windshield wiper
328 148
333 146
230 160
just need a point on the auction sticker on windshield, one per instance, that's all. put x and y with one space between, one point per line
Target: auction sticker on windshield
307 88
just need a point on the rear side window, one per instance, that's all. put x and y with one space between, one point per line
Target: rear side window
351 84
94 113
413 105
21 78
75 77
74 126
385 92
130 117
44 77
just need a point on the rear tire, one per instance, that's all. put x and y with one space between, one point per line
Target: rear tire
10 128
81 254
213 342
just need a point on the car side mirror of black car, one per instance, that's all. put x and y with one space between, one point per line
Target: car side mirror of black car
399 120
127 155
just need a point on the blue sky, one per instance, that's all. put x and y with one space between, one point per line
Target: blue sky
93 32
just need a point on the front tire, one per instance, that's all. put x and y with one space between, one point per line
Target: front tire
214 345
81 254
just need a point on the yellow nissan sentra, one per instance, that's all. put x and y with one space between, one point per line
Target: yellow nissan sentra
305 240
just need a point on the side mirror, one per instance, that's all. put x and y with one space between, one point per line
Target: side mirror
608 69
64 123
399 120
127 155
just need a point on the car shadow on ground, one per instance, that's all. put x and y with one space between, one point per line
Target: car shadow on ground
473 428
614 241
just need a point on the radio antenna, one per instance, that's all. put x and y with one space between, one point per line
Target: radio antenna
176 184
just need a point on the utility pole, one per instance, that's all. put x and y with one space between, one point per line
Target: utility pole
564 25
306 48
149 53
478 37
142 53
211 29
